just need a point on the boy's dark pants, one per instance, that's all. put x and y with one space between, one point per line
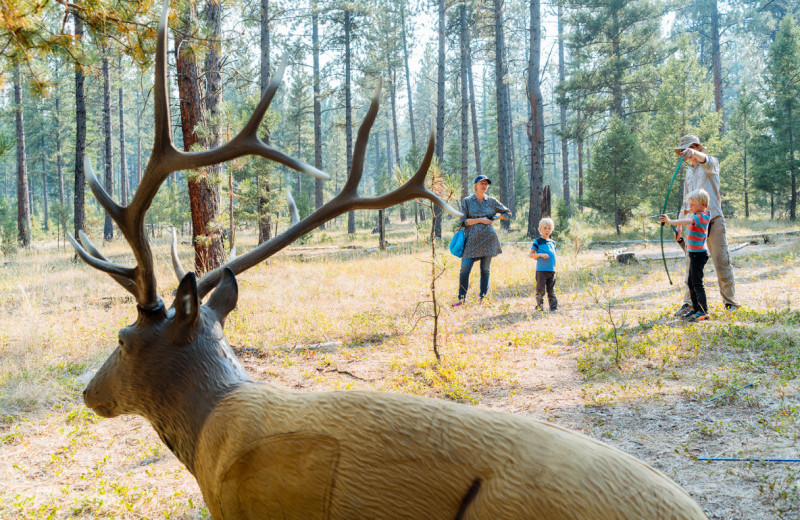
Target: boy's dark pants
546 280
695 281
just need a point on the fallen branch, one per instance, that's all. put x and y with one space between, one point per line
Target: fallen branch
345 372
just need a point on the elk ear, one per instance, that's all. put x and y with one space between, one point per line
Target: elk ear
223 300
187 304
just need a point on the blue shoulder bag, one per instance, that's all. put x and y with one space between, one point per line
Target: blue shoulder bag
457 243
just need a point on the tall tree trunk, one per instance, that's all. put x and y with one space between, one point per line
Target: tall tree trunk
79 198
716 63
23 208
138 141
408 74
462 15
536 134
59 155
348 107
123 158
45 201
792 173
108 154
563 111
476 145
502 117
510 164
30 195
439 149
262 178
318 193
616 88
393 93
212 253
393 76
203 199
580 161
744 161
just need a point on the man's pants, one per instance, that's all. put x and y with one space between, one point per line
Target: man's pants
717 243
546 280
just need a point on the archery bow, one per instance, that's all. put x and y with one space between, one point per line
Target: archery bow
663 211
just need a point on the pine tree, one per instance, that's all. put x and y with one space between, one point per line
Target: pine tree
783 109
617 43
615 176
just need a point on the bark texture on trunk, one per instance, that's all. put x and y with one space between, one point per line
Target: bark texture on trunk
408 74
123 158
212 254
203 197
563 113
108 153
263 181
716 63
23 196
439 149
792 170
536 130
348 107
318 193
462 15
476 146
79 198
45 201
59 154
504 176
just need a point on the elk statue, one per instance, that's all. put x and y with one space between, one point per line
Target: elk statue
259 451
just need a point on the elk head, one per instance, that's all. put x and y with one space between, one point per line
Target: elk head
173 365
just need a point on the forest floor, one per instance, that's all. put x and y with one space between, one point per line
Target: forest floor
612 363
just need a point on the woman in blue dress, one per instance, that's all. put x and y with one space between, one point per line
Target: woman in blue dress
480 240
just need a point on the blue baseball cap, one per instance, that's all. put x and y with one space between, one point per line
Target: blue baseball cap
480 178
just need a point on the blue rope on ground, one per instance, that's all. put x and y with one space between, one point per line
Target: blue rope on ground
733 391
746 460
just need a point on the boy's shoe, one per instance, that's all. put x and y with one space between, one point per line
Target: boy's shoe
731 307
684 311
697 316
554 309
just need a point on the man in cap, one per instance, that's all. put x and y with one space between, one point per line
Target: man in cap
703 173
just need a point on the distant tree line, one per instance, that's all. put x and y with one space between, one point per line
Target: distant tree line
586 97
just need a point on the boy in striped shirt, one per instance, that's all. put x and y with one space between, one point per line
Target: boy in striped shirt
696 222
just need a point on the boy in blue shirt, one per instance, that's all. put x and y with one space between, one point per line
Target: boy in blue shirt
543 250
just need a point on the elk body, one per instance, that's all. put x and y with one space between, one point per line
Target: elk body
260 452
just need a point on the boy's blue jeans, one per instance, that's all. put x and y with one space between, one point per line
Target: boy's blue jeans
463 277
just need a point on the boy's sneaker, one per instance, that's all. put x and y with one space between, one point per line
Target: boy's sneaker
697 316
731 307
684 311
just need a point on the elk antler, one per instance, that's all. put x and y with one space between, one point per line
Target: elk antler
165 159
347 200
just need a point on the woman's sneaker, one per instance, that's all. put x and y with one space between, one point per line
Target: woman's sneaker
697 316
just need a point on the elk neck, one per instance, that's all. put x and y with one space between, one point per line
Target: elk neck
189 382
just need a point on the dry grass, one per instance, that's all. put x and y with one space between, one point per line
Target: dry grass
59 321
